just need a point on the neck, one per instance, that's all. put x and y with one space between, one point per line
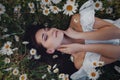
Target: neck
68 40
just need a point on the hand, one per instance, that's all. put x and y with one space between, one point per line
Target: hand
71 48
72 33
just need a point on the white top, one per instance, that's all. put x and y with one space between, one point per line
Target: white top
87 20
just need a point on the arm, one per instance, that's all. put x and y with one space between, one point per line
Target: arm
104 33
106 50
104 30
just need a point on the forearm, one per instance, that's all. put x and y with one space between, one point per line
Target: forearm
106 50
105 33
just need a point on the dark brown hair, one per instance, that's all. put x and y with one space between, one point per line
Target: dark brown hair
64 63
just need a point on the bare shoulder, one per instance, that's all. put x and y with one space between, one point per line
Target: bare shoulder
78 59
76 16
99 23
75 22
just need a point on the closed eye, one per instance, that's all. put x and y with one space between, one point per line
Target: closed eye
44 36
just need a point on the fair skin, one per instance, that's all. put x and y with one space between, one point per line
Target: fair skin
53 39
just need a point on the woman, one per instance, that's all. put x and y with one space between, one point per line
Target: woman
101 39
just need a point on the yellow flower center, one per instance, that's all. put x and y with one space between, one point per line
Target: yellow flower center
55 8
71 0
7 46
97 4
46 0
69 8
33 52
22 77
46 11
31 4
93 74
94 64
7 60
15 72
100 64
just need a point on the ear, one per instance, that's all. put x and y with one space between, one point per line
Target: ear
50 51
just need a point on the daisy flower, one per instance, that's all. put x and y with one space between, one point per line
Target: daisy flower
93 74
7 60
46 11
55 56
94 63
33 51
37 56
46 2
31 5
15 71
66 77
101 63
56 70
97 64
98 5
23 77
69 8
2 9
6 49
7 45
109 10
49 68
17 9
55 9
32 10
56 1
42 6
44 76
62 75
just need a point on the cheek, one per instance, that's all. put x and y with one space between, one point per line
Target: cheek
52 43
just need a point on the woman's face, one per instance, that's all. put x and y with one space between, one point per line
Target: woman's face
49 38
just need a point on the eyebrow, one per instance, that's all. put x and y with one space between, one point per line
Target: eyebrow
43 32
42 35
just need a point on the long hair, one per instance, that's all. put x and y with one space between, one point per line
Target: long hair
64 63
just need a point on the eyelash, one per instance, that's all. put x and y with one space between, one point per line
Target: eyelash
45 37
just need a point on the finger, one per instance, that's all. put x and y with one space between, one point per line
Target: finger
61 49
64 51
64 46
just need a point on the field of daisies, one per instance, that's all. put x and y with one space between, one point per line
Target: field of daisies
17 62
